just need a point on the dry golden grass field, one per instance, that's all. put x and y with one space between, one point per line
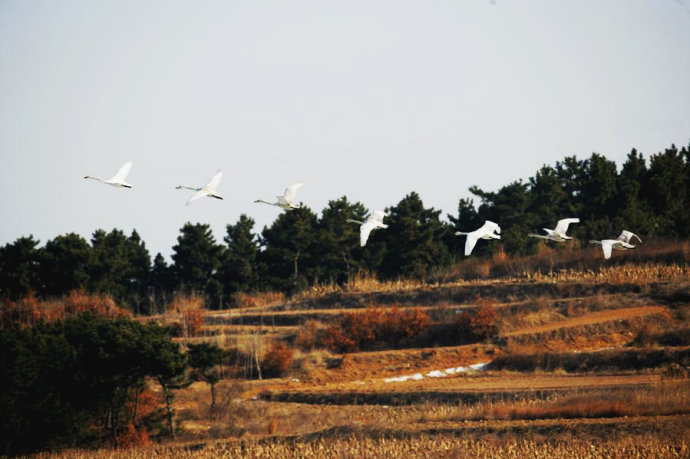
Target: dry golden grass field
582 365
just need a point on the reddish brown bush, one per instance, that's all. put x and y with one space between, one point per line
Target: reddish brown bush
479 324
335 340
356 331
30 310
142 405
310 335
133 438
277 360
79 301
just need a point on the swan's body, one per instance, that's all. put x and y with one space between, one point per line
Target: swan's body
626 236
210 189
557 234
374 221
608 244
118 180
489 230
287 200
622 242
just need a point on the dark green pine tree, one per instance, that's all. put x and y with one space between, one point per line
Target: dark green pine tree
239 268
414 240
197 261
635 211
38 374
337 246
684 223
139 261
119 267
570 171
62 382
286 260
547 198
667 192
598 198
205 358
19 267
64 265
161 285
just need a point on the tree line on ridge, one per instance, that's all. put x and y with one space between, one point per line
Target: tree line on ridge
300 248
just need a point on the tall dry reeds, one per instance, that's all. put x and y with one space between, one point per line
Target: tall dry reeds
359 444
257 299
185 314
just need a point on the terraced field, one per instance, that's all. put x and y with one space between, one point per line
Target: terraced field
568 362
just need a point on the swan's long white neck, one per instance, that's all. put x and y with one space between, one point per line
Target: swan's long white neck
354 221
184 187
266 202
93 178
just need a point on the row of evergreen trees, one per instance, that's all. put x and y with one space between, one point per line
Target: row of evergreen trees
651 198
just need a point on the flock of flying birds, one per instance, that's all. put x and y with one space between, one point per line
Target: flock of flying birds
491 230
287 201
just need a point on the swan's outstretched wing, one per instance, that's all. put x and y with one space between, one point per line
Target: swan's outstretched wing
198 195
365 230
214 181
122 173
378 216
470 243
562 225
626 236
291 191
607 245
490 227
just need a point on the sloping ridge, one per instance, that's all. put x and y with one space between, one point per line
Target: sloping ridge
591 318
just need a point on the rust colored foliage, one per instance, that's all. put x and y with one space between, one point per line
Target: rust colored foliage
277 360
481 323
142 406
78 302
193 320
185 314
133 438
30 310
356 331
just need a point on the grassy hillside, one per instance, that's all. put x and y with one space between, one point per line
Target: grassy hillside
587 362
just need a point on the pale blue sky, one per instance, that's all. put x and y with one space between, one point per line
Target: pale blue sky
370 99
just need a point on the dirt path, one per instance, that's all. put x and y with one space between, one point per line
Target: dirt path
234 315
498 383
591 318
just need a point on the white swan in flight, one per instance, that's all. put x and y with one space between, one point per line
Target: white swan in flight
608 244
557 234
210 189
287 200
622 242
118 179
626 236
489 230
374 221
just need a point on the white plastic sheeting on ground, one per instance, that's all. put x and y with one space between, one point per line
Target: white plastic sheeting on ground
438 373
